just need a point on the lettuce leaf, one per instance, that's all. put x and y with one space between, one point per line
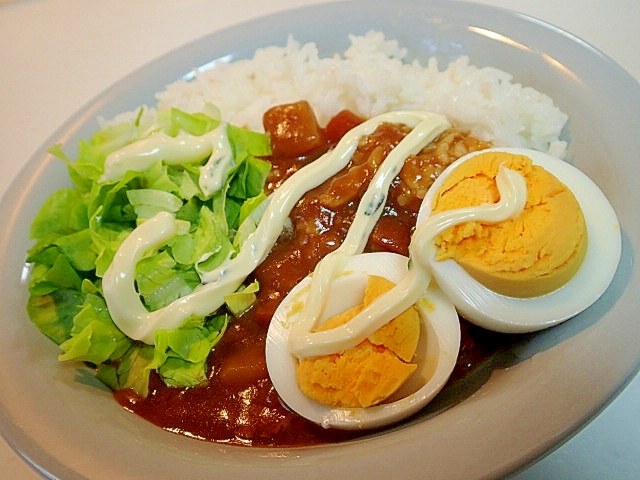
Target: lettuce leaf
78 231
239 301
63 212
94 338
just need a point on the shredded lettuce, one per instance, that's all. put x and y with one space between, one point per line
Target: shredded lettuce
78 231
239 301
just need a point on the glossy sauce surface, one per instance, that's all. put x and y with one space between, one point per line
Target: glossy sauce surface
239 405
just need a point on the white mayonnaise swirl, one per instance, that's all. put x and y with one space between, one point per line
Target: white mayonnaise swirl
122 299
305 343
179 150
426 127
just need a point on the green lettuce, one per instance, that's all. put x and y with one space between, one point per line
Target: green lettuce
78 231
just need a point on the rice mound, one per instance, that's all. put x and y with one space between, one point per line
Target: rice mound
369 78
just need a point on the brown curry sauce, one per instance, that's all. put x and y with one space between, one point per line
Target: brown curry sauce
239 404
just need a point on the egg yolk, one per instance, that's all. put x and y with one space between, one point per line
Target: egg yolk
371 372
528 256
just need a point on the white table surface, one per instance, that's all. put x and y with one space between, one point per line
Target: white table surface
42 41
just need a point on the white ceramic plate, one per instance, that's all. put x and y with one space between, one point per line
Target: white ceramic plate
60 419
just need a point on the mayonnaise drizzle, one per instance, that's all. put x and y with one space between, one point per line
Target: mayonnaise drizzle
426 126
179 150
123 301
213 174
513 196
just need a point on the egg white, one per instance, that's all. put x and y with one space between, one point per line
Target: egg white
436 354
501 313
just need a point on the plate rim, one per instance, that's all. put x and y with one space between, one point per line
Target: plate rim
80 120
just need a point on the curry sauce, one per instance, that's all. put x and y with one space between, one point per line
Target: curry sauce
239 404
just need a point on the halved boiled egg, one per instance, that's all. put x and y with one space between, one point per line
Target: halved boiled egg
539 273
515 240
435 357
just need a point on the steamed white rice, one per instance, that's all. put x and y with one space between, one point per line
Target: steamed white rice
369 78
